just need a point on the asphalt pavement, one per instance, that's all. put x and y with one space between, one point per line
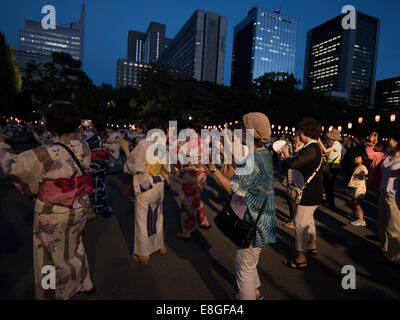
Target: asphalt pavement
202 269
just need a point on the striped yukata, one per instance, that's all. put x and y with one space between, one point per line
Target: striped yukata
57 230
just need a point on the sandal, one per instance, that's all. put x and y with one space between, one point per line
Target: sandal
313 252
142 260
259 296
89 292
183 238
205 227
162 250
297 265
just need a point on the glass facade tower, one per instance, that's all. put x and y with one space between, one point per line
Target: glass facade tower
342 63
263 42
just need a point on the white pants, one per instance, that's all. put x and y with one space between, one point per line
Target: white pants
246 274
304 226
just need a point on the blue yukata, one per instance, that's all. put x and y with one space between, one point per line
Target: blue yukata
255 183
100 198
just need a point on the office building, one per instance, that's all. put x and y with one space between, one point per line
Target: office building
342 63
263 42
387 94
128 72
146 47
38 42
198 49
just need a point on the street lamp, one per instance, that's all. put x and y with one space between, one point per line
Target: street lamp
393 118
349 125
190 118
377 118
360 120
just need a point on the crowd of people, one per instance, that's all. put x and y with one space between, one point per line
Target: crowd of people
66 177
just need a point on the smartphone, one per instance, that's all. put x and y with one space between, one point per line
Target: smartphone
87 123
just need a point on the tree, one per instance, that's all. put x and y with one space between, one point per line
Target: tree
11 81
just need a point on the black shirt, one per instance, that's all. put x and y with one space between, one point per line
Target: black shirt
306 162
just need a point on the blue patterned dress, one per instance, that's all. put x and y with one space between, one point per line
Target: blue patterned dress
99 197
254 181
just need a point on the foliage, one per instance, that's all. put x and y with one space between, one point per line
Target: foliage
11 82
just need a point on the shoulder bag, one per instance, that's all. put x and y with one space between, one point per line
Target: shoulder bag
240 232
295 193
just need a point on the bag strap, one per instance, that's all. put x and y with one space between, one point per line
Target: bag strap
72 155
314 173
261 210
331 163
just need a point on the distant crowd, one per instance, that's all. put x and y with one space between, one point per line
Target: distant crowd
66 176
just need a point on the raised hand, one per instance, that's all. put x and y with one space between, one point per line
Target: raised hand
374 137
124 144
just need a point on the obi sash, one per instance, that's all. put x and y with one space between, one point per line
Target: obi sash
65 192
100 155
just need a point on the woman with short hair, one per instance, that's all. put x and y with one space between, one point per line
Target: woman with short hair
308 163
334 155
52 176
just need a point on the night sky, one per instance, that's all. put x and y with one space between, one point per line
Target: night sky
108 22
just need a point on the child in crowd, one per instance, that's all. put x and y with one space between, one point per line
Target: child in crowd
359 188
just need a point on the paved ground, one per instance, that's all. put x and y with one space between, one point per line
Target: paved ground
202 268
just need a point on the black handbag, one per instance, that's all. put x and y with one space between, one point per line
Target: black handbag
240 232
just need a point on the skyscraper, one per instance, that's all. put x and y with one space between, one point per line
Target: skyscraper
342 63
198 49
263 42
40 42
387 94
146 47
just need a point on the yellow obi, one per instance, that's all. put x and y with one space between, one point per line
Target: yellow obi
157 169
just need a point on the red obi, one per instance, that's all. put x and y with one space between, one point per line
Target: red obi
65 192
101 155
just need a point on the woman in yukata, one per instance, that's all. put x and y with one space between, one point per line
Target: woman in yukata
55 176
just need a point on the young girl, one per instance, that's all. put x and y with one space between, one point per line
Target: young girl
359 189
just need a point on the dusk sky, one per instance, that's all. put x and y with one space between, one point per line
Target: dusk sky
108 22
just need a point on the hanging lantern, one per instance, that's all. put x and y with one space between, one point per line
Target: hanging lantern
293 129
279 127
340 128
393 118
323 128
377 118
349 125
330 128
286 128
360 120
273 126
